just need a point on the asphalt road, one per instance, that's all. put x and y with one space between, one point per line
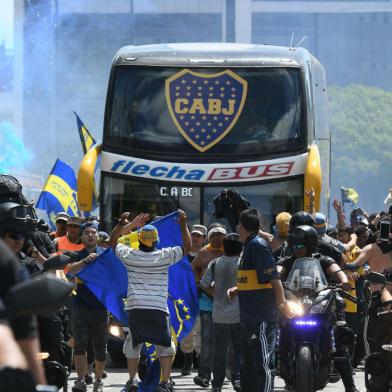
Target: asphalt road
118 376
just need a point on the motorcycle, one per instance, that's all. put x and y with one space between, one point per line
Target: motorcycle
41 295
378 369
306 343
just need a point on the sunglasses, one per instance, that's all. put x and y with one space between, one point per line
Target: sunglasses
17 236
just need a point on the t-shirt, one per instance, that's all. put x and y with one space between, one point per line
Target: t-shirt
287 264
256 296
84 296
11 273
148 275
223 272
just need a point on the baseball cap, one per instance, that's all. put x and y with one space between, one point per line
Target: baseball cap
148 235
199 229
216 229
62 216
74 220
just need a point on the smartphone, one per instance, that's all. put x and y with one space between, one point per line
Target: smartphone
384 230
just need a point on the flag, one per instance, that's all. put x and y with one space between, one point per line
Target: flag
183 302
86 138
59 192
349 195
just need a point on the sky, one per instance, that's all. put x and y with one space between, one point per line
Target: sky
6 23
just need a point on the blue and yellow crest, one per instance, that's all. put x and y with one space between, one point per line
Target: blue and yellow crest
205 107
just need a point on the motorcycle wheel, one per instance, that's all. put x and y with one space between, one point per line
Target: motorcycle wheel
304 370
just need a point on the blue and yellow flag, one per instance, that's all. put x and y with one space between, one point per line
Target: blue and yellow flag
59 192
86 138
349 195
182 302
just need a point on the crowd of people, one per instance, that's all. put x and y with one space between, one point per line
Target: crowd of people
241 296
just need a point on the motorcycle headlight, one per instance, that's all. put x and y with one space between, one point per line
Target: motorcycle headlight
116 331
296 308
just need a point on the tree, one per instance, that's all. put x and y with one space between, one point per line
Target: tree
361 127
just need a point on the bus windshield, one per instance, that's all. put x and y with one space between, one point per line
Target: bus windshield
205 112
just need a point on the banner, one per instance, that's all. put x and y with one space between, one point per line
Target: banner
349 195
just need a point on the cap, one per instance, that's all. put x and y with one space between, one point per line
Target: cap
62 216
74 220
321 223
199 229
217 229
148 235
362 220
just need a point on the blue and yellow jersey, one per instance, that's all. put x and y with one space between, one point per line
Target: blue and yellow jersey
351 307
255 294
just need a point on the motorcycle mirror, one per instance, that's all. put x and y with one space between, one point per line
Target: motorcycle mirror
375 277
57 262
36 296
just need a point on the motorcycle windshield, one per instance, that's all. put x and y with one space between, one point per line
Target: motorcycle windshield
306 274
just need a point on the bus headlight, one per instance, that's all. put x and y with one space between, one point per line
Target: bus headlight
296 308
116 331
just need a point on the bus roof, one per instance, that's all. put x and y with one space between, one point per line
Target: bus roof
212 55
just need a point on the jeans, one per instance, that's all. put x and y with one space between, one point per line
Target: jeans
207 342
258 360
223 335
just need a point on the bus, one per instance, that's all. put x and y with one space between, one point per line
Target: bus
185 121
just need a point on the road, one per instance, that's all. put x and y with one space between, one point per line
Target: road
118 376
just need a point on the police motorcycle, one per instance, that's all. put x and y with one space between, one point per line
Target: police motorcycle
378 365
35 296
306 343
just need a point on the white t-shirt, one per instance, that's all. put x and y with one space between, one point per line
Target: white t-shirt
148 275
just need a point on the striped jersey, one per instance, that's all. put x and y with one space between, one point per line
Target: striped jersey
148 275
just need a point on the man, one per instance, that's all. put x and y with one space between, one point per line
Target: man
147 293
214 248
89 317
261 295
192 341
303 242
70 241
61 225
220 276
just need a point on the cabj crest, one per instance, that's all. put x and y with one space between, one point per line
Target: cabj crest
205 107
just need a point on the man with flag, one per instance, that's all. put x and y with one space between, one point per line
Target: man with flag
147 295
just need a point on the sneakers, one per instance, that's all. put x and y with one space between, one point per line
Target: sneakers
237 385
201 382
164 387
98 386
79 386
131 386
88 379
185 372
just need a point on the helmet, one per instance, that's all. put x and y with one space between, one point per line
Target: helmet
321 223
303 235
301 218
17 218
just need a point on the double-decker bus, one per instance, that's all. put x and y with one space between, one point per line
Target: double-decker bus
184 121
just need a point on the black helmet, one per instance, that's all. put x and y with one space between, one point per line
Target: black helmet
301 218
17 218
303 235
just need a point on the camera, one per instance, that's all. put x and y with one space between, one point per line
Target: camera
385 240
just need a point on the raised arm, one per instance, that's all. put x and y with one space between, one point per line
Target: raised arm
186 235
337 205
125 226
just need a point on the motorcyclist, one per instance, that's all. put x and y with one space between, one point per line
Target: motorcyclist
326 249
302 241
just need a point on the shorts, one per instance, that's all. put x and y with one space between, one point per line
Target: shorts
91 324
134 352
